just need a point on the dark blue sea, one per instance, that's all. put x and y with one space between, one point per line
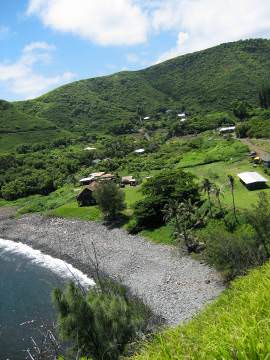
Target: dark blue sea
27 278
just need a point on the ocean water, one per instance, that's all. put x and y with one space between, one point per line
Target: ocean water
27 278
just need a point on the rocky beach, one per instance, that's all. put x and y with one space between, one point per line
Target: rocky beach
174 287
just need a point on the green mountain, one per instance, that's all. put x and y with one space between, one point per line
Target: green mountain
17 127
203 81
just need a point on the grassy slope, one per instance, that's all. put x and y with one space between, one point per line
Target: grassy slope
236 326
17 127
206 80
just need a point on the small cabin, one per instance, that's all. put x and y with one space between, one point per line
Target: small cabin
92 177
85 197
226 130
139 151
128 180
253 180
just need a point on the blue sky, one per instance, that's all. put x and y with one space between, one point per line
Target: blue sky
46 43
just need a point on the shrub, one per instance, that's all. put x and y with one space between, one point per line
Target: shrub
110 199
100 323
166 186
232 253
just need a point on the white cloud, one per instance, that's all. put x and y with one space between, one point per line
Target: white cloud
106 22
20 77
211 22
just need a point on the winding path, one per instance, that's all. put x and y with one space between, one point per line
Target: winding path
174 287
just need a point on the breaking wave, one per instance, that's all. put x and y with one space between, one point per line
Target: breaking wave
58 266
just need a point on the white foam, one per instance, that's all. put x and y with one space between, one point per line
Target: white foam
58 266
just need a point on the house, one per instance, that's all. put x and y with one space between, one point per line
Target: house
85 197
128 180
146 118
106 177
252 180
183 115
139 151
226 130
266 160
92 177
90 148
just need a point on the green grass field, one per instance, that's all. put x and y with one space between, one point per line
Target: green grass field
92 213
72 210
218 174
162 235
235 326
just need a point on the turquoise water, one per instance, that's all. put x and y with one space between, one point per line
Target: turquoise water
27 278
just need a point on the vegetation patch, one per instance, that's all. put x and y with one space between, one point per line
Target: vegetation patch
236 326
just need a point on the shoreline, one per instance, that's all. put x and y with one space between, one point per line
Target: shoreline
174 288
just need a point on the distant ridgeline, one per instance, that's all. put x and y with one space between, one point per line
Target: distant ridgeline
204 81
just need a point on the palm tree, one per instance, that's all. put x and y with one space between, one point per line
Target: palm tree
184 216
207 187
218 192
231 183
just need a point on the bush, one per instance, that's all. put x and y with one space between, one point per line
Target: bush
110 199
100 323
166 186
232 253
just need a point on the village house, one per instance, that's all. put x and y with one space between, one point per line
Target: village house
226 130
85 197
128 180
252 180
92 177
139 151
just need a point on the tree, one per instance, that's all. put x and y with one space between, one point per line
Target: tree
140 112
207 187
231 183
241 109
110 199
259 219
264 96
218 192
100 323
167 186
184 216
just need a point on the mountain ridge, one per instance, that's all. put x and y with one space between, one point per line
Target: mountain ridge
207 80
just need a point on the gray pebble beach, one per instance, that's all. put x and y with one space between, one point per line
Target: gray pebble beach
175 287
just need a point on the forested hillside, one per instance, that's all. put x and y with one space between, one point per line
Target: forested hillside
204 81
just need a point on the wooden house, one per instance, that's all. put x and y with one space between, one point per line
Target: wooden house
128 180
85 197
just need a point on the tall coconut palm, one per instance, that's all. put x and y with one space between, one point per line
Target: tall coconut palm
207 187
231 183
218 193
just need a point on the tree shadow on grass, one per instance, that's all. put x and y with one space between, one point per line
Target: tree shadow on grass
120 221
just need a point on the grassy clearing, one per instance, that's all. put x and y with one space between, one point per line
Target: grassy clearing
72 210
218 172
92 213
162 235
236 326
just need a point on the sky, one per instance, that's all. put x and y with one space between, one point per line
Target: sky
47 43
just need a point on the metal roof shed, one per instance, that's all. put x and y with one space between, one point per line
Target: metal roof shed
252 180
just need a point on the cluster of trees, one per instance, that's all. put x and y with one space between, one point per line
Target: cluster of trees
166 186
39 173
101 322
